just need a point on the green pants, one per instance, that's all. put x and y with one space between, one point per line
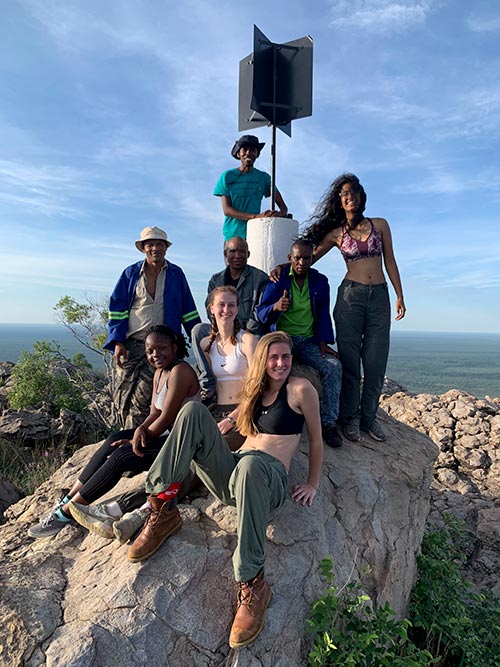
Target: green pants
233 437
253 482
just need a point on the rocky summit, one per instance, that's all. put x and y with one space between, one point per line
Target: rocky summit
76 601
466 480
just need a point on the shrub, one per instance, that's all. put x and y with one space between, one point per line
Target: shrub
450 623
450 618
350 632
46 377
28 467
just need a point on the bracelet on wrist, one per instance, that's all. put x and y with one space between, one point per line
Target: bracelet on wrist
231 420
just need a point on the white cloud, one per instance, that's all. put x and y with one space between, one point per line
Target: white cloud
483 22
380 16
44 189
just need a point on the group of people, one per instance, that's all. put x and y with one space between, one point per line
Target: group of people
240 418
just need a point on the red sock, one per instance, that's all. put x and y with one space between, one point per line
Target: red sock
170 493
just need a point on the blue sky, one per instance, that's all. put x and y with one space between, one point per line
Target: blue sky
120 114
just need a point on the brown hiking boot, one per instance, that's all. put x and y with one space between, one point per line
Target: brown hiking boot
253 599
160 524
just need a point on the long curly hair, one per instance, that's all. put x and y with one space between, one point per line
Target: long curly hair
214 328
176 339
257 380
329 213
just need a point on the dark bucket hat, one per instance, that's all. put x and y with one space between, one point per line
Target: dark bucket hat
246 140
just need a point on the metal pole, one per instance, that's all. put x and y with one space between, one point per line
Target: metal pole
273 167
273 136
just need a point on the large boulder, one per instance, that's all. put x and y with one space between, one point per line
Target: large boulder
466 480
76 601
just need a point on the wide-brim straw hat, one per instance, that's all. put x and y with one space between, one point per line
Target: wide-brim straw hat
152 234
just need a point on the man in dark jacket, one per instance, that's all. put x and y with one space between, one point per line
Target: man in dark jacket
250 283
299 304
152 291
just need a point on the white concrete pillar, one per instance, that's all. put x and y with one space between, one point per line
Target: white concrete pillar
269 241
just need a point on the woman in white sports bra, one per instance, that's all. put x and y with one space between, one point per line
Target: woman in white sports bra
229 351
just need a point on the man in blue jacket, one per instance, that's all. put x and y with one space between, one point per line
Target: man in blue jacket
152 291
299 303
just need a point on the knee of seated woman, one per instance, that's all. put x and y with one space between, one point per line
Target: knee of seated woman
191 409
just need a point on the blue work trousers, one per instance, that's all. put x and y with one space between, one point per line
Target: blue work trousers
308 352
206 377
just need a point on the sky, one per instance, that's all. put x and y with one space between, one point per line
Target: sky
121 114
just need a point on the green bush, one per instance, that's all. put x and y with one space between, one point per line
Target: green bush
46 377
450 618
350 632
450 623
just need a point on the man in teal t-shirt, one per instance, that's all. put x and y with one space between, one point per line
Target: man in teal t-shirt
242 189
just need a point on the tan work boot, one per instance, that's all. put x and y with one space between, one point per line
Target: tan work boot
160 524
253 599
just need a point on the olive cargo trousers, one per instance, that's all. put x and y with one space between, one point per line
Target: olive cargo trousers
254 482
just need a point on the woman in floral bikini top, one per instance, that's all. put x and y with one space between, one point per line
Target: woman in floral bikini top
362 309
354 249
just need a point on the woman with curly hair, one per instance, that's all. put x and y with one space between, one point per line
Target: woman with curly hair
229 352
131 450
272 413
362 309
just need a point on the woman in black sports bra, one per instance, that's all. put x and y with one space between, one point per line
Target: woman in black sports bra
254 479
362 310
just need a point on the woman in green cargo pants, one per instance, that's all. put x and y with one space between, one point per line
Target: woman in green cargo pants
272 413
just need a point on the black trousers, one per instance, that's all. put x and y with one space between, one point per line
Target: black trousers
108 464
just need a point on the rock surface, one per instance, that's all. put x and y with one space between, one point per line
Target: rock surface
466 480
75 600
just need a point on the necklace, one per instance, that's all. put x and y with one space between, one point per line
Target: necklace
355 223
358 230
223 343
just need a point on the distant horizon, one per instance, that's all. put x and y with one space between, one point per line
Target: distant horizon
421 361
395 329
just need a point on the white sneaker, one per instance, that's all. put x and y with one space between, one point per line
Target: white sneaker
130 523
97 518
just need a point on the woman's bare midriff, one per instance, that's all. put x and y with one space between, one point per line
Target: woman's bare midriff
282 447
228 392
367 271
